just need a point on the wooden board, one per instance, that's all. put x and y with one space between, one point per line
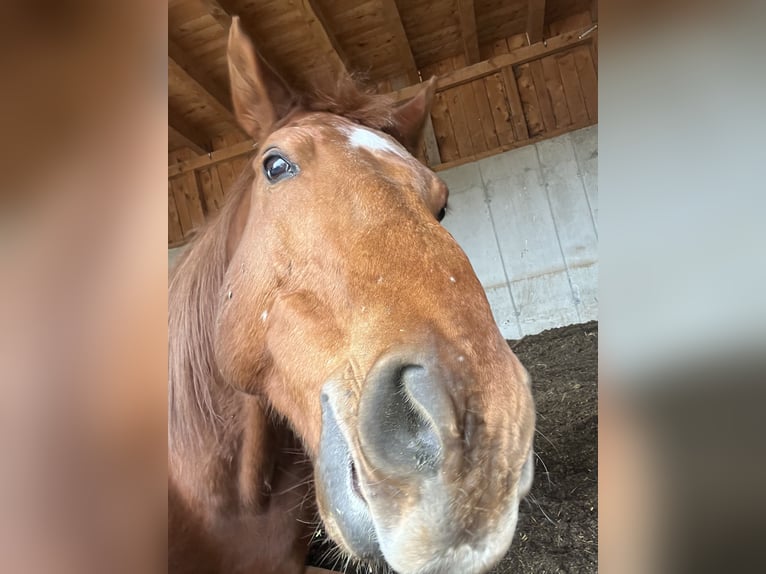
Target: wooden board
572 89
441 120
175 234
186 193
470 110
555 89
529 100
588 80
543 95
481 94
497 93
454 101
210 187
514 102
501 111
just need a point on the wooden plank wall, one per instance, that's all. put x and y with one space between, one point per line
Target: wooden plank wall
518 105
514 107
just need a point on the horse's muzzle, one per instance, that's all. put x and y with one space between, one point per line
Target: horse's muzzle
403 470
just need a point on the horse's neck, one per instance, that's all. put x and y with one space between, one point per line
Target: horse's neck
243 483
229 464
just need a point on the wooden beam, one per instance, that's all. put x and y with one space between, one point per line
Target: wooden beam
494 65
177 75
326 40
401 43
177 55
468 31
193 138
535 20
213 158
513 145
218 12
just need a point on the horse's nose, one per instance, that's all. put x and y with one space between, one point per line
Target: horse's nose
404 413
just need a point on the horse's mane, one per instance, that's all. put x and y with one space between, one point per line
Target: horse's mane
195 404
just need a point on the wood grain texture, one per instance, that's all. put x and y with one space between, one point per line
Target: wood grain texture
572 89
556 90
543 95
175 234
517 57
529 100
514 102
468 33
470 110
535 20
586 71
186 193
393 21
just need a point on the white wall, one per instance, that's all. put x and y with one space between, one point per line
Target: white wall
527 220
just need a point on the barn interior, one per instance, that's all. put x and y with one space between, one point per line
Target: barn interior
512 131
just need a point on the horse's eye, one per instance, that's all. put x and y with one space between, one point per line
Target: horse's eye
442 213
277 168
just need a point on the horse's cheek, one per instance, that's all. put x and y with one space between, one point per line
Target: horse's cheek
240 348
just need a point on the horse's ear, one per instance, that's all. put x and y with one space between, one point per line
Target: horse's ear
410 117
259 95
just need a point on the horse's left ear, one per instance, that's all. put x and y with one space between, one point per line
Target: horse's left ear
259 95
410 117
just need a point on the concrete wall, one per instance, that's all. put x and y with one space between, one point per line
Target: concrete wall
173 255
527 220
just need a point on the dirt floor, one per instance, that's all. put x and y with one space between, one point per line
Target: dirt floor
557 528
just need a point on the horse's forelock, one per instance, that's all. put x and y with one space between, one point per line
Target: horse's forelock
344 96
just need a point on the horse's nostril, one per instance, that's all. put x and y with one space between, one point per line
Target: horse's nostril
401 412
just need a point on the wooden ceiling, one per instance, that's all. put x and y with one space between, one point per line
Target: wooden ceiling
388 41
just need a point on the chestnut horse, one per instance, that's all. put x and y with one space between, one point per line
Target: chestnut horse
331 350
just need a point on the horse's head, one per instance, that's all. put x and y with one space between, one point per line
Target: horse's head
358 317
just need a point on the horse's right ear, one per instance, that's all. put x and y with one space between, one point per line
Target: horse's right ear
259 95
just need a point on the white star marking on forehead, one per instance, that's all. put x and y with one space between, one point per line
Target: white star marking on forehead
367 139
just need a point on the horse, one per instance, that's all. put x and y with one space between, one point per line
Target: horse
332 354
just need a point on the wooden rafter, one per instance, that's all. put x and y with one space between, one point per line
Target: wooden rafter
189 135
177 55
218 12
517 57
535 20
494 65
394 24
324 37
468 35
224 19
177 75
401 43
